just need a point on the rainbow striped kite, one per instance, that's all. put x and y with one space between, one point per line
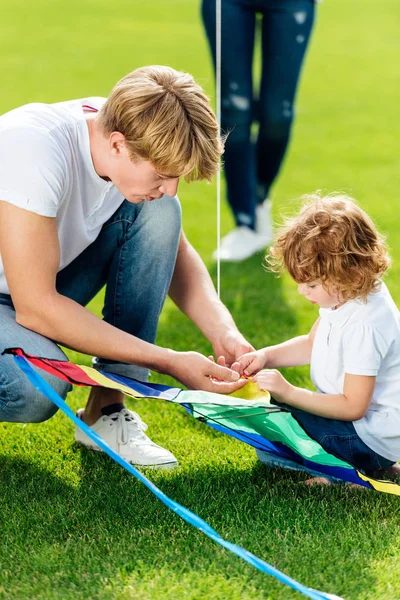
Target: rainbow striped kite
247 415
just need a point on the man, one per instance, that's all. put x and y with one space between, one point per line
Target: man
87 199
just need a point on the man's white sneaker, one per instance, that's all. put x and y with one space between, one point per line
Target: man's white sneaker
123 432
239 244
264 226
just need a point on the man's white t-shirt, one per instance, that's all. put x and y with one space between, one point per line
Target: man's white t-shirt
364 339
46 167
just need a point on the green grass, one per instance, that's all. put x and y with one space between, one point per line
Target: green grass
74 525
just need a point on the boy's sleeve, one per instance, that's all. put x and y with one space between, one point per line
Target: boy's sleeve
363 350
32 171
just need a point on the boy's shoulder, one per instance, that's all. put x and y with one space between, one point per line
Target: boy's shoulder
380 313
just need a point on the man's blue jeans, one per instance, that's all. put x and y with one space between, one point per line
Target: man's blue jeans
134 256
286 25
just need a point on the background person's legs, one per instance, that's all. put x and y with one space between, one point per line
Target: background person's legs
250 170
237 47
286 30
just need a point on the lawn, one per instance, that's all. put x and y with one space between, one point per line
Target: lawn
74 525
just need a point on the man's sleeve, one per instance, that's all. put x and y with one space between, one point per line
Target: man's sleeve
32 171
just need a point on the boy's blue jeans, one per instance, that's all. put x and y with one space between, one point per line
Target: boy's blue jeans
341 439
286 25
336 437
134 257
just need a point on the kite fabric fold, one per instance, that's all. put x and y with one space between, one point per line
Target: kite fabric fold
246 415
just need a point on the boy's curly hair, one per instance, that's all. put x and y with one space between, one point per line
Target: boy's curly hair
334 242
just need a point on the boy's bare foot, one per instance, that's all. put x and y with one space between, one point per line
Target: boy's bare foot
317 481
392 472
325 481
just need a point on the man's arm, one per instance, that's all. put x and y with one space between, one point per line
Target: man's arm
193 292
30 252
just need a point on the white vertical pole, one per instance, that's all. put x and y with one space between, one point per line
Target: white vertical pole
218 111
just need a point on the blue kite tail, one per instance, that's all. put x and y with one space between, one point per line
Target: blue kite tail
190 517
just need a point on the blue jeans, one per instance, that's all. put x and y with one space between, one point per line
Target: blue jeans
251 168
340 439
134 257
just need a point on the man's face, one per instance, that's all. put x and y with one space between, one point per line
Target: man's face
138 180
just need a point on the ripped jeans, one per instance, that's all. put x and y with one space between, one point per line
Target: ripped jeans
134 257
252 166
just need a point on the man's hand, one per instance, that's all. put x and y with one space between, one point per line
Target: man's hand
273 382
252 362
197 372
231 344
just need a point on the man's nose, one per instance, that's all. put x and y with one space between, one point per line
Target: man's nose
170 186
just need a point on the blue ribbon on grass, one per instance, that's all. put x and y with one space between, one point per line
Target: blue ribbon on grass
187 515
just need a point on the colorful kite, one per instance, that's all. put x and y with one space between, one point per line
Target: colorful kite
247 415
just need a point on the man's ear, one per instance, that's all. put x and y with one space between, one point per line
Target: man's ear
117 144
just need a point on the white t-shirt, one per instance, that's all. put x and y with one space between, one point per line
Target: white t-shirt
364 339
46 167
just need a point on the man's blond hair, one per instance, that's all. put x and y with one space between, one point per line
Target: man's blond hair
167 120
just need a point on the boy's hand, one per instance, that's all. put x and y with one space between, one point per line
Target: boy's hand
252 362
274 382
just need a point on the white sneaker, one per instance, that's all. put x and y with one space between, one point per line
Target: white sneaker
239 244
264 226
123 432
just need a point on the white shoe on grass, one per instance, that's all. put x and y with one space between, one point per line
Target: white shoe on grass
123 432
239 244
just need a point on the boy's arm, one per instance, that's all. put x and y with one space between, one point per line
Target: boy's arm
292 353
30 253
349 406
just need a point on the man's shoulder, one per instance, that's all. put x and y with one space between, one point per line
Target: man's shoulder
40 117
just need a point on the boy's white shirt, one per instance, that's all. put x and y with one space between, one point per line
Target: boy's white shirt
46 167
364 339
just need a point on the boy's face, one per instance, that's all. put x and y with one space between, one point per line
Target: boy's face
138 180
317 294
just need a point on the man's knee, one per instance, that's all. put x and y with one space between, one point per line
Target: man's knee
21 402
166 222
38 407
